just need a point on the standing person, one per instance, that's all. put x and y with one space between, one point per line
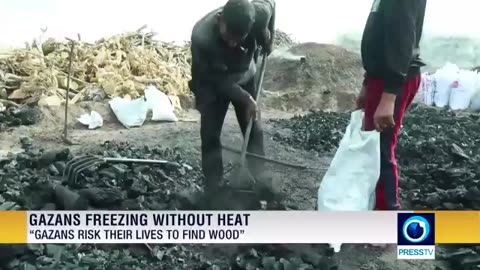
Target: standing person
390 55
224 53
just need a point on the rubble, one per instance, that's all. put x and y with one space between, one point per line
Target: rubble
438 157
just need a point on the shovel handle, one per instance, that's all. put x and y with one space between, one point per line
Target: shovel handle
246 139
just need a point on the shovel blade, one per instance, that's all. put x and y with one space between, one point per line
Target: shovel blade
241 178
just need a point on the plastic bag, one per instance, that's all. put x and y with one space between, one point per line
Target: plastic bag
475 102
420 91
131 113
445 78
426 91
93 120
461 95
160 104
350 181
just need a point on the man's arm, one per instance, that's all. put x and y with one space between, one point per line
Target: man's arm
271 24
400 27
264 19
204 74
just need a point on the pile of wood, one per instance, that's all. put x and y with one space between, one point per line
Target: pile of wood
283 40
122 65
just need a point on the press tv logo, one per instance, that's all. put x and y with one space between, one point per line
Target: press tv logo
416 236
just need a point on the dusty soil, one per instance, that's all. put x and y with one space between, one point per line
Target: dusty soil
301 185
312 76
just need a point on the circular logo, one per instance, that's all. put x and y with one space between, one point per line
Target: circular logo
416 229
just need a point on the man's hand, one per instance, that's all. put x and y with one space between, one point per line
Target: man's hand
251 108
384 115
267 42
361 98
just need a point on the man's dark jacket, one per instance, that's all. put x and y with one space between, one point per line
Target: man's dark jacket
216 68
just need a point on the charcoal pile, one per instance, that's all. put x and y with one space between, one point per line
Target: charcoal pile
13 116
438 155
135 187
32 180
318 131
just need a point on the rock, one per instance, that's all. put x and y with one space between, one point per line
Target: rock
52 250
3 94
10 252
50 101
69 200
27 116
49 207
8 206
312 258
18 94
269 263
37 249
52 169
120 170
52 156
136 189
107 172
28 266
190 198
26 142
60 166
102 197
131 205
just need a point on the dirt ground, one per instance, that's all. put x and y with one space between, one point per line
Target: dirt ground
301 184
312 76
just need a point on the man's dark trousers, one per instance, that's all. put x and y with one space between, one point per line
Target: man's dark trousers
212 118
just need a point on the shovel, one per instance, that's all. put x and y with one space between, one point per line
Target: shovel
242 178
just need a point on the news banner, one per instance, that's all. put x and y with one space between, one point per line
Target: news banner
414 233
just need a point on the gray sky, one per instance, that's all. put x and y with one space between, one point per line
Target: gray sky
307 20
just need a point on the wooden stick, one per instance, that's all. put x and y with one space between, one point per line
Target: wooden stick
10 103
296 166
67 95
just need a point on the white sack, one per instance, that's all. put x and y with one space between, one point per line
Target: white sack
420 91
475 102
426 91
350 181
445 78
160 104
93 120
461 95
131 113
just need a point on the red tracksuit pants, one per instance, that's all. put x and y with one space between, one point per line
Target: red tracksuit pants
387 187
